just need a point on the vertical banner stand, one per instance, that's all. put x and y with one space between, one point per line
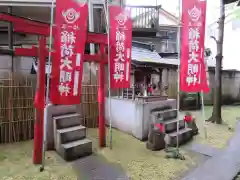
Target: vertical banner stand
47 91
202 100
204 115
106 9
179 60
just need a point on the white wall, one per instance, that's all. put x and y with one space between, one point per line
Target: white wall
164 20
124 120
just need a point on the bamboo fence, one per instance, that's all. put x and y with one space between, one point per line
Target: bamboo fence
17 113
88 109
16 108
89 105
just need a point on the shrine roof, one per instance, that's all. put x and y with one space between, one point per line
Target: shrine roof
143 53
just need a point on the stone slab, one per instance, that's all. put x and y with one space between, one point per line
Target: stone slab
204 149
184 135
96 168
56 111
67 120
71 134
171 125
76 149
223 166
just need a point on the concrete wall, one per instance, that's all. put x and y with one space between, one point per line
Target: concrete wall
122 119
230 85
133 117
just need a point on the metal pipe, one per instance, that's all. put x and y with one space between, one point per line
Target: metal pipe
10 37
133 86
47 89
91 24
204 115
106 8
178 86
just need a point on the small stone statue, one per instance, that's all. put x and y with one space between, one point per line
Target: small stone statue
155 139
175 154
191 123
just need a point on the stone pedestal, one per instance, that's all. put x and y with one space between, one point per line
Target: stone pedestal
56 110
155 139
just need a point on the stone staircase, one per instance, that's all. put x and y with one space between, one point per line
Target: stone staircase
168 118
70 137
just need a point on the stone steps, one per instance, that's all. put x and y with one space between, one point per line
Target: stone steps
67 120
171 125
76 149
184 135
70 137
165 114
158 142
168 118
71 134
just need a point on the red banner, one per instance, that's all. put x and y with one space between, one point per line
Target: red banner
193 76
69 45
121 47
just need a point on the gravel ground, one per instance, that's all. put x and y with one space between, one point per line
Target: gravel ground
130 153
16 164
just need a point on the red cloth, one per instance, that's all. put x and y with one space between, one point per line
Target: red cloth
150 89
160 127
188 119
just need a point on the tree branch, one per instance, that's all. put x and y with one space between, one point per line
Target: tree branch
214 39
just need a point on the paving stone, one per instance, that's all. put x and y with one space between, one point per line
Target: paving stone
96 168
204 149
223 166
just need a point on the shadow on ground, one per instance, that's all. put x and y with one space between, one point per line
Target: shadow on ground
97 168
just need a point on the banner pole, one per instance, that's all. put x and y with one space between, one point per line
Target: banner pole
202 94
91 25
202 100
47 90
178 83
109 78
204 116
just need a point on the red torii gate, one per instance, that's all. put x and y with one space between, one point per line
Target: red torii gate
29 26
